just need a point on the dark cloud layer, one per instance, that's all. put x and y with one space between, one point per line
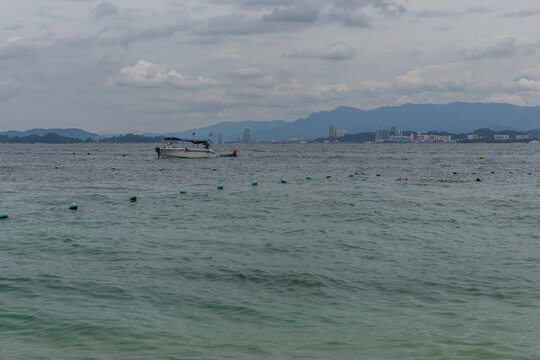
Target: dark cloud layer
105 9
523 13
505 48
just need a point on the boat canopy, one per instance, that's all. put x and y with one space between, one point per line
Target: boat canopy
194 141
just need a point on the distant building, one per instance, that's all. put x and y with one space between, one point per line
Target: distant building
331 131
501 137
425 138
472 137
220 138
246 137
382 136
522 137
341 133
392 135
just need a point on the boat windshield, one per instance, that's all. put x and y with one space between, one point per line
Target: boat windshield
204 143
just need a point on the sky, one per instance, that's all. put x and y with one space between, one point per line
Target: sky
170 65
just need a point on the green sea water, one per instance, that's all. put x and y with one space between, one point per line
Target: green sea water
361 267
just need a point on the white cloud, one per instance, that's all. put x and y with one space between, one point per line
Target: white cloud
336 51
147 74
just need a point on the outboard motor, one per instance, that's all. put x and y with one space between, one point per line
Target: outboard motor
158 150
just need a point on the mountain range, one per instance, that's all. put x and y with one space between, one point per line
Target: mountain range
459 117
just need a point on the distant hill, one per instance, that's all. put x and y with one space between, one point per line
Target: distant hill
72 133
47 138
454 117
229 130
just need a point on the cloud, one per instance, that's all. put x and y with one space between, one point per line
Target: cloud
386 6
504 48
435 78
432 13
243 25
307 15
504 98
13 27
389 7
350 19
147 74
433 83
523 83
337 51
105 9
7 89
523 13
247 73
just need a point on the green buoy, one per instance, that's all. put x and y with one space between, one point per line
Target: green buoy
328 176
283 181
183 191
529 173
308 177
3 215
271 169
351 175
160 169
220 187
73 206
214 169
378 174
132 197
4 165
56 167
114 168
254 182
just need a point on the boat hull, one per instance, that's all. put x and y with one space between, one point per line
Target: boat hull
187 153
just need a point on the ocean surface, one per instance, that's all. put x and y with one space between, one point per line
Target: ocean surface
362 267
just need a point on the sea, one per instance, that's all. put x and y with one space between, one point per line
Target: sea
350 264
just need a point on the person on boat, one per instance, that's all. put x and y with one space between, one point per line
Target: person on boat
207 145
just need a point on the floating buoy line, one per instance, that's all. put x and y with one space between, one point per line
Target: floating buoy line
133 197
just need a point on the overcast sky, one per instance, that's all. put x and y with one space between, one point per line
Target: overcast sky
168 65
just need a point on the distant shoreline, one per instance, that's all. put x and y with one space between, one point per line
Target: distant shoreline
478 136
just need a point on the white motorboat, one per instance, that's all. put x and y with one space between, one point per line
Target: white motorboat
172 148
